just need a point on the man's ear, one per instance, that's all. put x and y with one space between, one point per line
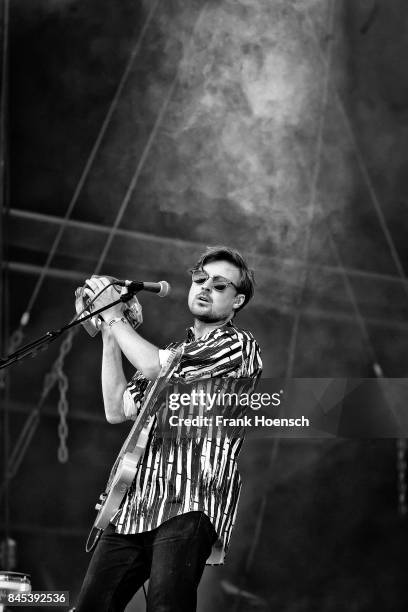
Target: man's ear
238 301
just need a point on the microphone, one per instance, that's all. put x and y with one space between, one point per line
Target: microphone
162 288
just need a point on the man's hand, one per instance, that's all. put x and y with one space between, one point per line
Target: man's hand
143 355
93 286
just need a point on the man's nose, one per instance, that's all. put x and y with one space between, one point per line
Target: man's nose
207 285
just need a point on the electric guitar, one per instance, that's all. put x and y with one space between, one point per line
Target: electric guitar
125 466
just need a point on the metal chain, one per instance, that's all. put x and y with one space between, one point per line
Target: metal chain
402 476
63 402
62 425
57 374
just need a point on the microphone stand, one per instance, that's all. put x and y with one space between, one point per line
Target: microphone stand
40 344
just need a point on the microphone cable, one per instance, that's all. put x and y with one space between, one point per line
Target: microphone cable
92 300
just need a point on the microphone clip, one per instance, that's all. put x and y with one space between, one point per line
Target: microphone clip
130 290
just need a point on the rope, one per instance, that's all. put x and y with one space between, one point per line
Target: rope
56 373
18 335
375 200
146 151
295 328
136 175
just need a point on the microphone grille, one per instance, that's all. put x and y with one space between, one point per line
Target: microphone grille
165 289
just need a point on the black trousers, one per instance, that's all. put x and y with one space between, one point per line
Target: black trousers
172 556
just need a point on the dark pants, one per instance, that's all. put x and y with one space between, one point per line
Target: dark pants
172 556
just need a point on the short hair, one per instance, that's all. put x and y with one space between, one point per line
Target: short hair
224 253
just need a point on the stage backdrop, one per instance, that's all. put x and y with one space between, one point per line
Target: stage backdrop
141 132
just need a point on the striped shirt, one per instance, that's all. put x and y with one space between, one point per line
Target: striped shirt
193 467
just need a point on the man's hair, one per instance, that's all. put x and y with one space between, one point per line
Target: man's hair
223 253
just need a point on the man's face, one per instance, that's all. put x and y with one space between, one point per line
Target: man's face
209 305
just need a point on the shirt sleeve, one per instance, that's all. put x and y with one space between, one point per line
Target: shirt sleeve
134 394
252 362
164 355
220 354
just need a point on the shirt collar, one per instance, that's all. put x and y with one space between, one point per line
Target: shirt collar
190 332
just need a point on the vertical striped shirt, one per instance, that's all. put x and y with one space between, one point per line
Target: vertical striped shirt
187 468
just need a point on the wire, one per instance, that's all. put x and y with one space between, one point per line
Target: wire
89 303
351 294
32 421
364 171
51 378
136 175
18 335
295 328
89 163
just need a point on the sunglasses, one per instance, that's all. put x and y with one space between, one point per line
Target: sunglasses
199 276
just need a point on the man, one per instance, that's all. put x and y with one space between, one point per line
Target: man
180 509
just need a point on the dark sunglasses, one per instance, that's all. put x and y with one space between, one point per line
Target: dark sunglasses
199 276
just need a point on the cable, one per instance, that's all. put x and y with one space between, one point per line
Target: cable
56 369
54 375
56 372
295 328
351 294
125 202
91 301
364 171
146 151
18 335
402 488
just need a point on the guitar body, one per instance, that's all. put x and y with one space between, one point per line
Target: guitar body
109 502
125 467
125 472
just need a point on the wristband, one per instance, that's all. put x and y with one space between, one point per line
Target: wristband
117 320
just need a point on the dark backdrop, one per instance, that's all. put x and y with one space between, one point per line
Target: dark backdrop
139 133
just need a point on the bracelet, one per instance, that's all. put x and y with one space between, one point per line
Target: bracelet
117 320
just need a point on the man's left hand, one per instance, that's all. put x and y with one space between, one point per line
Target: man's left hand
94 285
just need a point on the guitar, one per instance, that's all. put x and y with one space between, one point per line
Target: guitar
125 466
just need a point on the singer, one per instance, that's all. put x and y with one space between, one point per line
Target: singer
178 514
